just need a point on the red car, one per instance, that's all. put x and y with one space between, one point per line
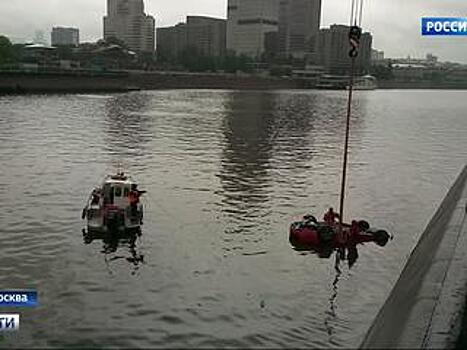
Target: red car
311 234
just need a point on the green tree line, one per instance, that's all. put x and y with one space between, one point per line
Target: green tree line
9 53
193 60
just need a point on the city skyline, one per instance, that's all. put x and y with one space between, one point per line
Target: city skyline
395 25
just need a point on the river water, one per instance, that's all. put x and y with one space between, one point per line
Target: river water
226 173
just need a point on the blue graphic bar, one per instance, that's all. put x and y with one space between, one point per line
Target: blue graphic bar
444 26
26 298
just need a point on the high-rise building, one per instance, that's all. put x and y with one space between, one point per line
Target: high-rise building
248 21
377 55
171 41
39 37
271 45
377 58
127 21
299 22
333 49
206 35
65 36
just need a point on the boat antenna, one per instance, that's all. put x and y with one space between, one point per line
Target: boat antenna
355 33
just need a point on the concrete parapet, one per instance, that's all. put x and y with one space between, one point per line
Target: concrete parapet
424 309
11 82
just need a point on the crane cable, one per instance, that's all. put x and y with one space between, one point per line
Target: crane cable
356 13
355 34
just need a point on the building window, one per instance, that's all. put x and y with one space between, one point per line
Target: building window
257 21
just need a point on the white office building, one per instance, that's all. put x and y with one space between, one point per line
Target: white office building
127 21
299 22
62 36
248 21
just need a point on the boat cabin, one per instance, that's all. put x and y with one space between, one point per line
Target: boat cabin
116 189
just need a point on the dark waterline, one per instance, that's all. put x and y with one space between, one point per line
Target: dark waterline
226 172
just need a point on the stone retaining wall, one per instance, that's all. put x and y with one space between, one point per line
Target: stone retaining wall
425 308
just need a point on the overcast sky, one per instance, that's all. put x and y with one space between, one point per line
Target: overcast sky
395 24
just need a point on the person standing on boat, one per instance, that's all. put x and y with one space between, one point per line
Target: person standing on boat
96 196
330 217
133 197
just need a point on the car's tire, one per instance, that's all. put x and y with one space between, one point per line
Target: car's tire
310 218
381 237
364 225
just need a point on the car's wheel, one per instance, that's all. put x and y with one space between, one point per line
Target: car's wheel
381 237
310 218
364 225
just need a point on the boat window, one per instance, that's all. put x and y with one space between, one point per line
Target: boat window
118 191
126 192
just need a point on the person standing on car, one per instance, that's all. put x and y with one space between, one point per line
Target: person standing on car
354 229
133 198
330 217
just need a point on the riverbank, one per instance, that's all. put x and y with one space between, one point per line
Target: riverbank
425 308
51 82
20 82
422 84
89 81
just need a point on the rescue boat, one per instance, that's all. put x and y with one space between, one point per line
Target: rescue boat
311 234
108 208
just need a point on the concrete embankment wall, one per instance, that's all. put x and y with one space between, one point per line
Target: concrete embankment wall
30 83
21 82
44 83
161 80
425 308
421 84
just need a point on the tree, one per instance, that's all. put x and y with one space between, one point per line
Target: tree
382 72
233 63
6 50
65 52
114 41
147 60
196 61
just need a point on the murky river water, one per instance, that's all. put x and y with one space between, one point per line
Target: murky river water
226 173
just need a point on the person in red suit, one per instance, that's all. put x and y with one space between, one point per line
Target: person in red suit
330 217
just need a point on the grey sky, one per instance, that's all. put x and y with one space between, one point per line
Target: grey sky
395 24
